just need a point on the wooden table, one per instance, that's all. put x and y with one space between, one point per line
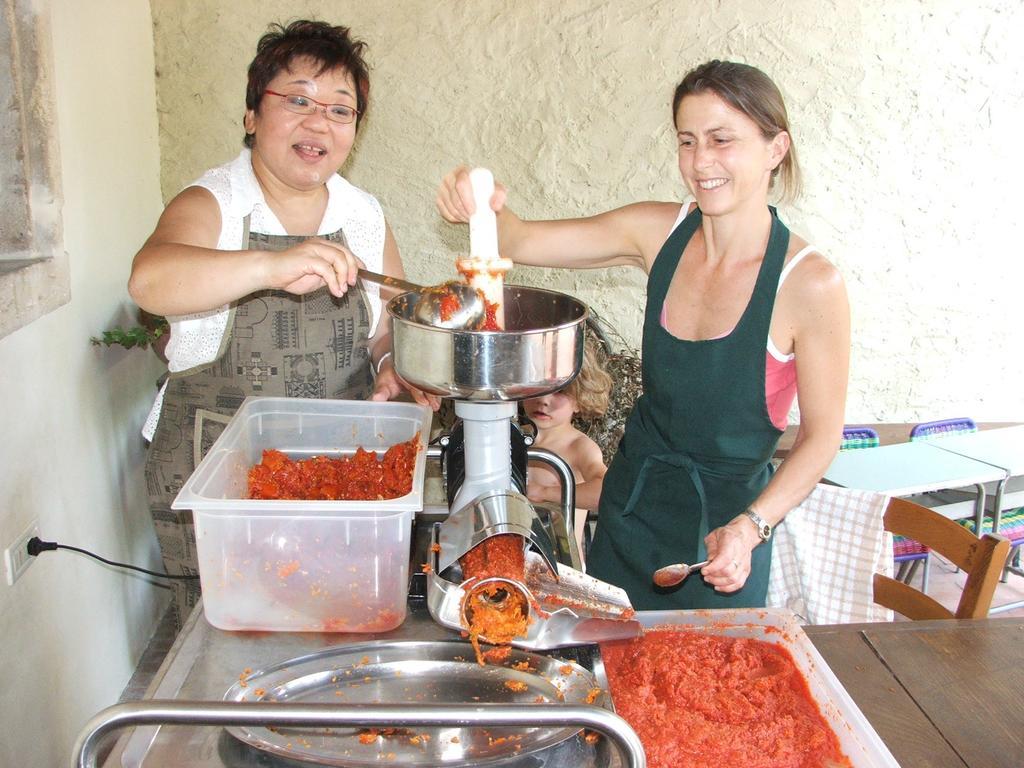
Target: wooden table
939 693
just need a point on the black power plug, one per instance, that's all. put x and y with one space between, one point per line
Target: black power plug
36 545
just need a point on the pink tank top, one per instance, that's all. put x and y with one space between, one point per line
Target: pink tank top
779 369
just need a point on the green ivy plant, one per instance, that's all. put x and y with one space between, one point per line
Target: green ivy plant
150 328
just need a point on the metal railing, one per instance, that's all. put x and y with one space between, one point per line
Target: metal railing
157 712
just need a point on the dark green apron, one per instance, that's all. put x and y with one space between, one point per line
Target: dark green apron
697 447
276 344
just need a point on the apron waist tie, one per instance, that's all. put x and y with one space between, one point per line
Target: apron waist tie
692 469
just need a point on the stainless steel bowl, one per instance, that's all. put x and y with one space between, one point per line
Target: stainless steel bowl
540 350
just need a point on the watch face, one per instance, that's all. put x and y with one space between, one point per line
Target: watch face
763 529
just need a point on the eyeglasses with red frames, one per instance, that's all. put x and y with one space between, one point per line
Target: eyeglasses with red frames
304 105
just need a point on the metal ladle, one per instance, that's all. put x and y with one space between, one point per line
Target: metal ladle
671 575
470 312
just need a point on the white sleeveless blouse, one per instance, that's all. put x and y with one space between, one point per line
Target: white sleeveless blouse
195 338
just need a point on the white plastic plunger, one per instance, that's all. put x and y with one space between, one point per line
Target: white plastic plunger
488 453
483 223
486 269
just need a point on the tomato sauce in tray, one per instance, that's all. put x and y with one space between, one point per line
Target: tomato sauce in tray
358 477
710 701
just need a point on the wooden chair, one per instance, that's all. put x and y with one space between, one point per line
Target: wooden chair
1011 527
982 559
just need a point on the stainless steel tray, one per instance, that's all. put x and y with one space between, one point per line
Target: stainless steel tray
423 673
182 719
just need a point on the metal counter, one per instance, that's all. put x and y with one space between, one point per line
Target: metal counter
205 662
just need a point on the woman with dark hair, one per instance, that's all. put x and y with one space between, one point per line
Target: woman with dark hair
740 314
254 264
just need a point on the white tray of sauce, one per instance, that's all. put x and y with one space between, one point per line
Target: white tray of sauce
857 738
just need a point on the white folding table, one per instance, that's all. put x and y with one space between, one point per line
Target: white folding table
908 468
1001 448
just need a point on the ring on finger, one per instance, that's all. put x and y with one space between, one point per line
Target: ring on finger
735 565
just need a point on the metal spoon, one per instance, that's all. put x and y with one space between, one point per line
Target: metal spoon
434 306
388 280
671 575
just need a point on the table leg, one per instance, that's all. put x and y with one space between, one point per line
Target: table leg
979 509
1015 567
997 517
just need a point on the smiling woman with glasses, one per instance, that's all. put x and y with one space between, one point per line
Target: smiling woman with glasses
255 266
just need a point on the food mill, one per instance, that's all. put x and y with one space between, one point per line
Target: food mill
484 460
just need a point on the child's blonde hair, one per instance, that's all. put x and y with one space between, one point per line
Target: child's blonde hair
592 387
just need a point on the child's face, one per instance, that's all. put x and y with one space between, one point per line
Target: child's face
552 410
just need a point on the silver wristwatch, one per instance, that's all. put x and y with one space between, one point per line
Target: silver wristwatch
763 529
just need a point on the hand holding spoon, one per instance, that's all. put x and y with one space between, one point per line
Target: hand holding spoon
671 575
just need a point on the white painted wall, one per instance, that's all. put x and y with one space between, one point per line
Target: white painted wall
905 115
71 630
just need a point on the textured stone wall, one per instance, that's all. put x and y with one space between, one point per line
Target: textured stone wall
905 114
71 629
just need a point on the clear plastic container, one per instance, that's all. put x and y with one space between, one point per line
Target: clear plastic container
304 566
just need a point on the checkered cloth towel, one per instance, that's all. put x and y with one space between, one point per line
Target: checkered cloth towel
825 554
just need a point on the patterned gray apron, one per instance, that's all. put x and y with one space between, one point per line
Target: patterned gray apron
275 345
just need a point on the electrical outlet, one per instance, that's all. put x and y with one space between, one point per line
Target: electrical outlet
16 556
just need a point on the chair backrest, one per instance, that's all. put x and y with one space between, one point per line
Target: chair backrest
858 437
982 559
946 427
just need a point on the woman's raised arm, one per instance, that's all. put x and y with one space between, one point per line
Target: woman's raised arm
630 236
